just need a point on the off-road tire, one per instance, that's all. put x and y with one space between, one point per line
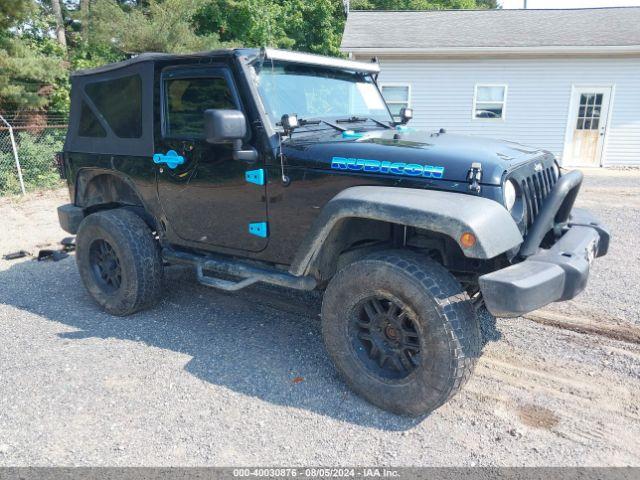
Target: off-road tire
138 253
449 331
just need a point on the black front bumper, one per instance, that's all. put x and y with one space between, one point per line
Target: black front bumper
550 275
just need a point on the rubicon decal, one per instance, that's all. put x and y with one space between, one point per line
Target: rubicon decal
390 168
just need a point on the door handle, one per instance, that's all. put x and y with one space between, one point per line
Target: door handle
171 159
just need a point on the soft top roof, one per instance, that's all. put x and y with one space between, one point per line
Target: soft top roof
157 57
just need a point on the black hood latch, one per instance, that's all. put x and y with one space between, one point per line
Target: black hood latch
474 177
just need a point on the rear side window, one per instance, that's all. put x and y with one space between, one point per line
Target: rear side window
89 124
119 101
188 98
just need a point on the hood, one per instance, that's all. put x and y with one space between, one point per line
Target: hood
441 155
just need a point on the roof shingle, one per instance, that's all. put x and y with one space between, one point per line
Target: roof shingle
492 28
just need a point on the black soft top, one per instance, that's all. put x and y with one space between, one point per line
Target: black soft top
134 134
164 57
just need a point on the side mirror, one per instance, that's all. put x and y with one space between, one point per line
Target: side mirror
406 114
228 126
223 126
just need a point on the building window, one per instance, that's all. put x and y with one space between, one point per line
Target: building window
397 97
489 102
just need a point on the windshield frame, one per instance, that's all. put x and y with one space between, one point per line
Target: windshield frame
257 67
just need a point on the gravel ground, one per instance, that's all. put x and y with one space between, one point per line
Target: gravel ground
208 378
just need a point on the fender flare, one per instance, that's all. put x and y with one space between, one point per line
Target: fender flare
119 187
115 188
447 213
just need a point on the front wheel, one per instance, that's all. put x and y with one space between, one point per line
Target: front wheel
401 331
119 261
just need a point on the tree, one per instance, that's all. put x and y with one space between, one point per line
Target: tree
32 70
250 23
60 33
160 26
316 26
12 11
84 16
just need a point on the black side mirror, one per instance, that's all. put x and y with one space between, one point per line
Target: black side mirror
223 126
228 126
406 114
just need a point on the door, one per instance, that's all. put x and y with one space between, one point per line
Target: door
207 198
587 128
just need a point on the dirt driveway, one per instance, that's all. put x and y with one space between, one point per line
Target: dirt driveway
208 378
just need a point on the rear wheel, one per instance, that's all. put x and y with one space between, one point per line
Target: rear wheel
119 261
401 331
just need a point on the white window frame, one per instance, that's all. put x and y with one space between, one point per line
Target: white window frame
504 102
408 87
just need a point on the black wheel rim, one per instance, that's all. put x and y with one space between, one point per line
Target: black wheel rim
384 336
105 266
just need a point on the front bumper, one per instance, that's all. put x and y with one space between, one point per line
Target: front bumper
557 274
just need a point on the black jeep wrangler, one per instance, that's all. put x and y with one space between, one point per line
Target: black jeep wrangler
289 169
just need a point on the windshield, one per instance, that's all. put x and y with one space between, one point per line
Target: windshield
317 92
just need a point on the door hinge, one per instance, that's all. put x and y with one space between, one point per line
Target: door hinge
255 176
259 229
474 177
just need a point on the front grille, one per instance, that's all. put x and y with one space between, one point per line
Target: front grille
536 188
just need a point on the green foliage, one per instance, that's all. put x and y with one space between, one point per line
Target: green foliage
29 77
37 157
161 26
316 26
250 23
13 11
32 69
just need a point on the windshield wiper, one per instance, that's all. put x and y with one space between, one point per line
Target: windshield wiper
304 121
356 119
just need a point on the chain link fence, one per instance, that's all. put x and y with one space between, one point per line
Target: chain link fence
27 152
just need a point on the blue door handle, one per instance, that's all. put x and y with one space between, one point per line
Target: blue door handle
171 159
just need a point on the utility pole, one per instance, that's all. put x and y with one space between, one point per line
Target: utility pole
525 4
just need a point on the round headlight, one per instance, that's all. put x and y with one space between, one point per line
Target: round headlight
510 194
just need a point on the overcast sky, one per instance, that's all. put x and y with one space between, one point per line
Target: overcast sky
569 3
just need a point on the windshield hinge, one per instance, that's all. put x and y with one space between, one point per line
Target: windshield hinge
474 177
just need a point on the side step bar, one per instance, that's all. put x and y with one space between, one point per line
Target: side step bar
248 272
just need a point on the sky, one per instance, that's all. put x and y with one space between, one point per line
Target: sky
569 3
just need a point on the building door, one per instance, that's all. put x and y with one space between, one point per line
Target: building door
587 128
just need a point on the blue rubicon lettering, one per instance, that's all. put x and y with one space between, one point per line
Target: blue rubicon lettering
390 168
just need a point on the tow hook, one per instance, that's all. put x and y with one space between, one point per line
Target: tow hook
474 177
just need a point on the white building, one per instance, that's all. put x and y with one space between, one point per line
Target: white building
564 80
